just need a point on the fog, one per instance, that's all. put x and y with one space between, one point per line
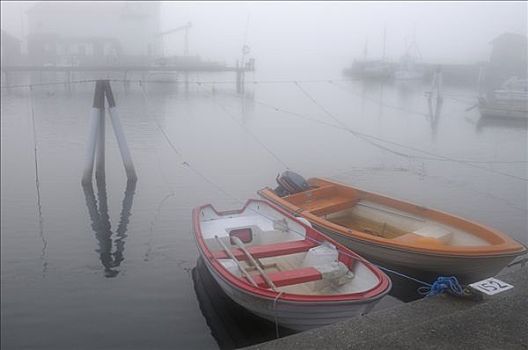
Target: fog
425 102
325 36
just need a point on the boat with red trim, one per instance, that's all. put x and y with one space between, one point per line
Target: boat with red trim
280 268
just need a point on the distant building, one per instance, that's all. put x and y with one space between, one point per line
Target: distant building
508 59
10 48
99 32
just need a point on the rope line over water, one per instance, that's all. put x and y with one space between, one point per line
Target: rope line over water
363 136
249 132
43 252
242 202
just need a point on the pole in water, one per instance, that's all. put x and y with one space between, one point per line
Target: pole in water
96 138
120 135
98 105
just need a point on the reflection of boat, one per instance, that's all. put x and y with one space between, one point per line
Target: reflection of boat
231 325
510 101
400 235
283 270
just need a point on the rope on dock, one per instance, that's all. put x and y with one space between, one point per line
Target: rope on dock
443 285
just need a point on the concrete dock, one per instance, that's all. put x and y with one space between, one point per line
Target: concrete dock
441 322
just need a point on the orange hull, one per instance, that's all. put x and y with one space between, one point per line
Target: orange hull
383 225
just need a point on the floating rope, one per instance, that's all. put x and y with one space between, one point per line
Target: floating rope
43 252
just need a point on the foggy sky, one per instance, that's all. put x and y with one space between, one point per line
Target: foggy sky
328 35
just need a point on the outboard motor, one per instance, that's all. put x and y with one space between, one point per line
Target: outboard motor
290 183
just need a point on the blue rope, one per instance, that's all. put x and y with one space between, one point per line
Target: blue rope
443 285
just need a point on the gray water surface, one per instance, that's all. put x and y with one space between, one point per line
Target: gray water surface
76 277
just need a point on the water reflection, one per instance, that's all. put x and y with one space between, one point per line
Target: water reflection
501 123
435 108
102 227
231 325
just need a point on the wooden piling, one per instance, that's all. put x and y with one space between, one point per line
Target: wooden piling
119 134
98 105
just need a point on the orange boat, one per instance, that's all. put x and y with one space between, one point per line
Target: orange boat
396 234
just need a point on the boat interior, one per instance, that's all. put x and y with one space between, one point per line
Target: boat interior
345 207
270 250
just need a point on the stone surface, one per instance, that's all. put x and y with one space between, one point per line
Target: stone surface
442 322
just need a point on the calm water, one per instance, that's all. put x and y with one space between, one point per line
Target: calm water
114 266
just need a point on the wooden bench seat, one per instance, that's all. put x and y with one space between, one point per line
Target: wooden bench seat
289 277
268 250
328 205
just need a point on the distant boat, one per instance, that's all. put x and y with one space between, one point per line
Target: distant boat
510 101
408 70
399 235
280 268
372 69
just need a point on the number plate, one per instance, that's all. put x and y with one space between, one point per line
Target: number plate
491 286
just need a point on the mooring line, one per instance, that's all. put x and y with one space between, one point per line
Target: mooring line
43 252
302 234
363 136
249 132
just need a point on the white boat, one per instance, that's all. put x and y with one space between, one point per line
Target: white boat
281 269
510 101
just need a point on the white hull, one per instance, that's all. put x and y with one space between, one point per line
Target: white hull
298 316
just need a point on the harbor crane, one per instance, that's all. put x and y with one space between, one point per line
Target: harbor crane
186 28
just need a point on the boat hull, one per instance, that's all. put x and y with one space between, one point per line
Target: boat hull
468 269
468 263
298 316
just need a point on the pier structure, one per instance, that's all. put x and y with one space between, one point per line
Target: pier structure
205 67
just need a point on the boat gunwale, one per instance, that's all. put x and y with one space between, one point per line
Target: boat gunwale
507 246
381 288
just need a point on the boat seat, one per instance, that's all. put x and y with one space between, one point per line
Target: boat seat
328 205
437 232
289 277
269 250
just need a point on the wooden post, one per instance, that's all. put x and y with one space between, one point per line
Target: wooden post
98 104
120 135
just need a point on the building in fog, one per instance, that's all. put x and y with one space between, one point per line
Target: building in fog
11 49
508 59
84 33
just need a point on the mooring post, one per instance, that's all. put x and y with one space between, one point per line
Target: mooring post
100 148
119 134
98 104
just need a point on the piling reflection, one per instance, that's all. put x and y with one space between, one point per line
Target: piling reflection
231 325
102 227
435 109
501 123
